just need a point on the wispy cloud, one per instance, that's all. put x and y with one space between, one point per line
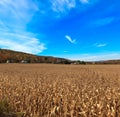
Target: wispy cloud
66 51
62 5
15 16
25 43
73 41
17 12
95 57
98 57
100 45
103 21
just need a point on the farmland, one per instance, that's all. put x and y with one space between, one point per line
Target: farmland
47 90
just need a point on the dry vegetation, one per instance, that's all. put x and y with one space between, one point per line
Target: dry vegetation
41 90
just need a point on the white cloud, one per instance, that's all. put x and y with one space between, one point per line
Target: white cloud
17 12
62 8
103 21
15 16
94 57
70 39
62 5
100 44
65 51
98 57
24 43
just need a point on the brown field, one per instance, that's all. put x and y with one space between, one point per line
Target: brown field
41 90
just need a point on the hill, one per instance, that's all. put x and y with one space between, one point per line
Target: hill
108 62
10 56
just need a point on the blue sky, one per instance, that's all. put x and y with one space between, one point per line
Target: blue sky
74 29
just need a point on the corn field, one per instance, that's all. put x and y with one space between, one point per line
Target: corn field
44 90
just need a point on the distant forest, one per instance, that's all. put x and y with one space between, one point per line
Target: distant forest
10 56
